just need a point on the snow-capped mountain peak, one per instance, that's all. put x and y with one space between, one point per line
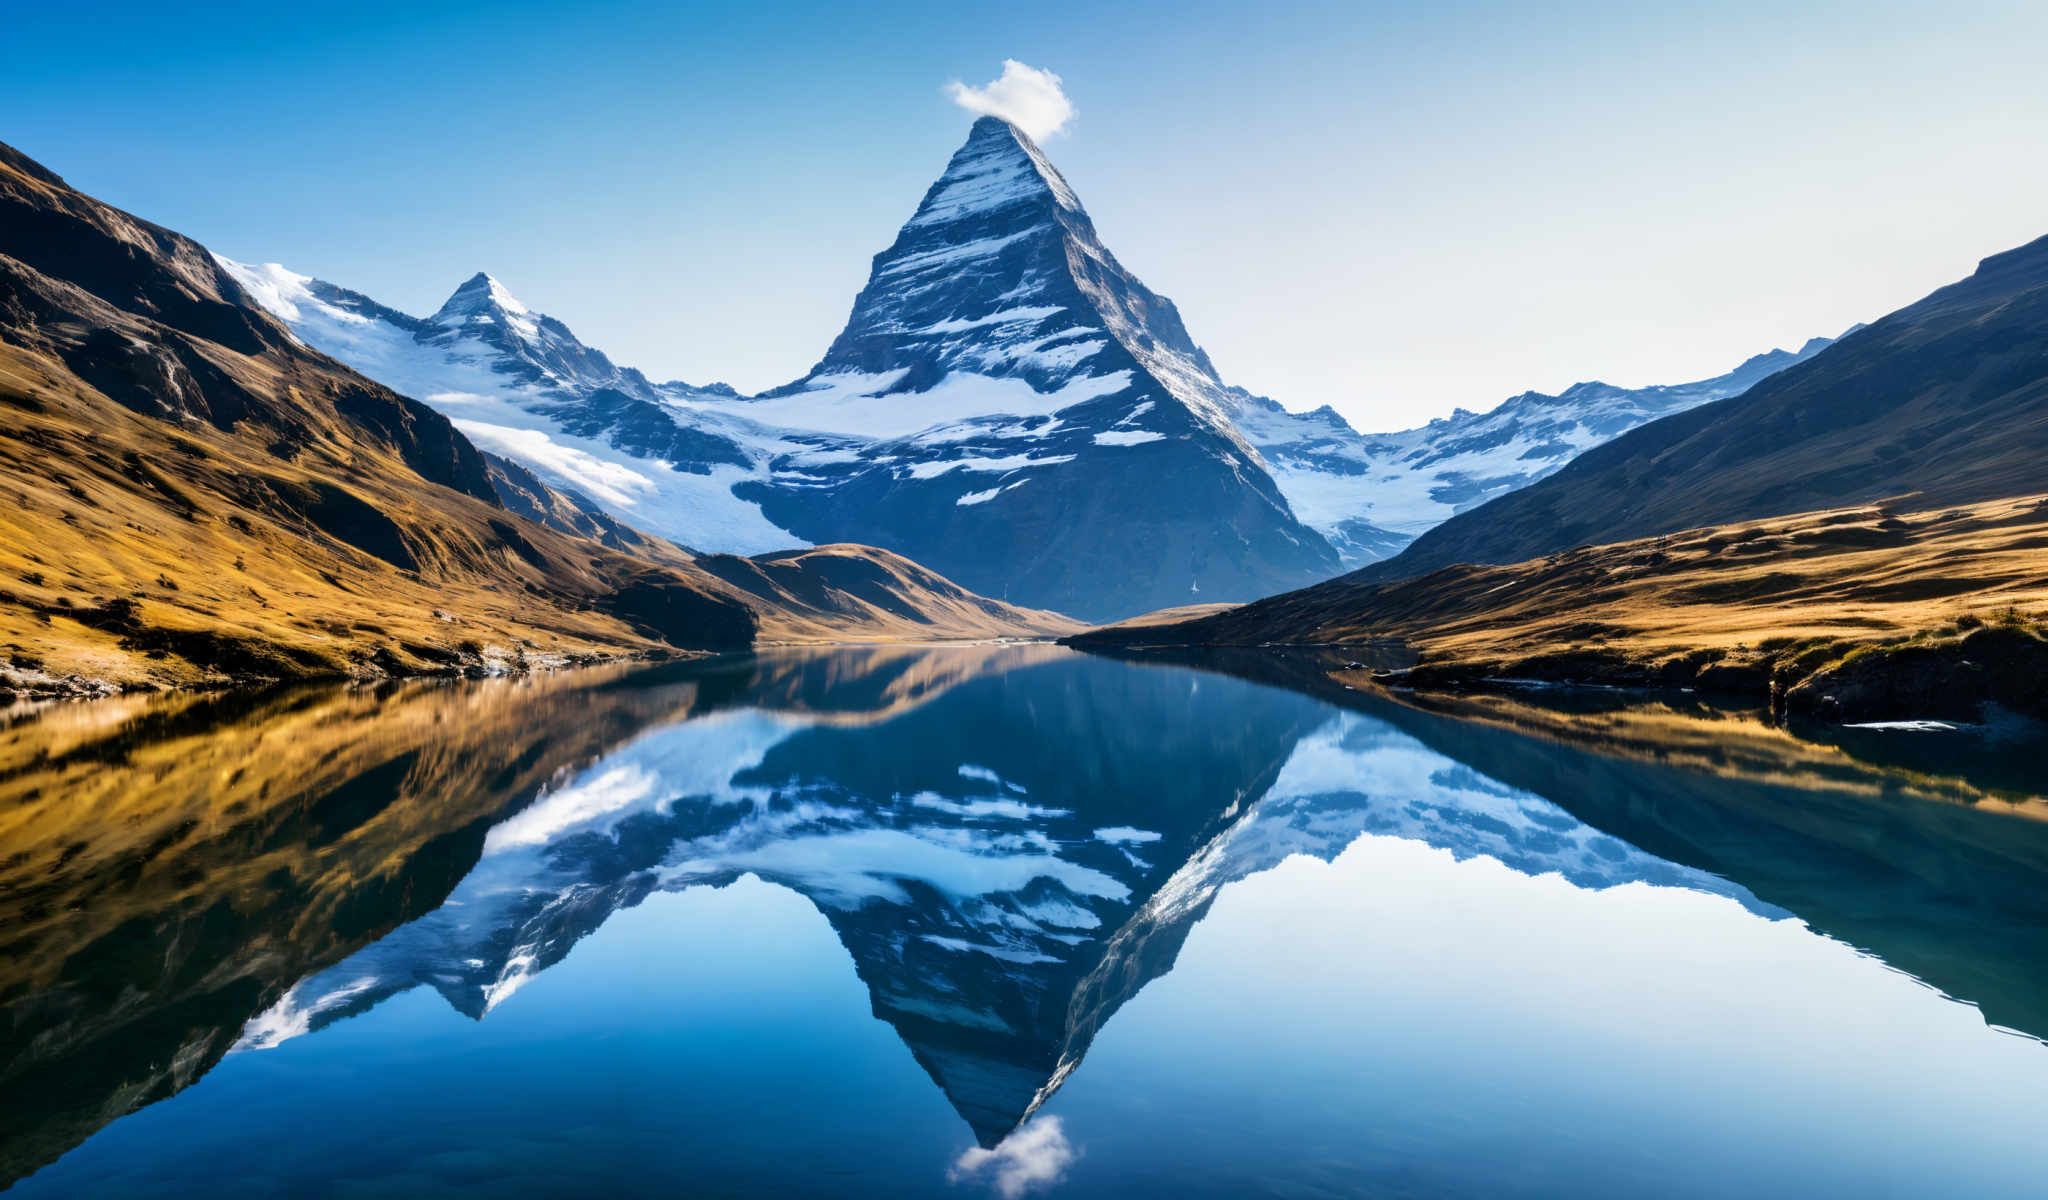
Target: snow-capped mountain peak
1007 404
998 166
482 300
1028 396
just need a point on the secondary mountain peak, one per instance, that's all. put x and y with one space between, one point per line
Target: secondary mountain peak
482 300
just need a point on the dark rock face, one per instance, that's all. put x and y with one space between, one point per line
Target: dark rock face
1947 681
684 616
138 267
523 492
425 439
1078 454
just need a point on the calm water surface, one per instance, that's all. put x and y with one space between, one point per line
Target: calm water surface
1008 921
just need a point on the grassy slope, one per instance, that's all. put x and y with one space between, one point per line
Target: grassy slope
1782 601
188 495
1947 398
842 593
98 504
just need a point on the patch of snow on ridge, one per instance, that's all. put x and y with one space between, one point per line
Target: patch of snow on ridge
848 868
973 498
1015 810
963 946
985 466
294 1013
857 403
272 286
1133 437
605 481
1008 316
502 413
948 257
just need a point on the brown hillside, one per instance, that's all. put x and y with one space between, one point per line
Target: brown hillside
1805 601
188 494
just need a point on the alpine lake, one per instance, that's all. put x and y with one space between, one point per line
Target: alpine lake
1013 920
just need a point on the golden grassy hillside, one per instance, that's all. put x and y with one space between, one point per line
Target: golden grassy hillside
1780 602
134 551
189 495
844 593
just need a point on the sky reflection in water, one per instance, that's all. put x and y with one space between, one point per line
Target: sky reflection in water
1137 928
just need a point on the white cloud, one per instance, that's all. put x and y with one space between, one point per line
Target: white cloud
1036 1156
1026 97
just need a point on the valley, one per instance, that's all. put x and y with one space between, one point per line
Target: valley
632 601
194 498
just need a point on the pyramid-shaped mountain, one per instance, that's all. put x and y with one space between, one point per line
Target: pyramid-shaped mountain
1048 431
1006 404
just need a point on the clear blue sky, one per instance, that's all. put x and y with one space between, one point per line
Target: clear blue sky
1390 208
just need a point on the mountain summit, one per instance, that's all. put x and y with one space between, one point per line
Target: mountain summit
1048 427
1000 273
1006 403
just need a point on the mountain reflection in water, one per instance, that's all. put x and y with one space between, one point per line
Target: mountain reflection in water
1009 841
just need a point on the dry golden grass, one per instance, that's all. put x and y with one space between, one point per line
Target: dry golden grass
98 504
844 593
82 524
1841 578
188 495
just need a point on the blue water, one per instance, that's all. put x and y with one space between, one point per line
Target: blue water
1021 922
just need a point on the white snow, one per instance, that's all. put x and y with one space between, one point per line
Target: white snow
496 411
989 175
1006 953
1008 316
853 402
984 497
1129 437
1014 810
294 1011
984 466
946 258
609 483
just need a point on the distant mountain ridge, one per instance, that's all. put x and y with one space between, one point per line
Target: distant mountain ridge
1006 403
1371 494
1946 398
